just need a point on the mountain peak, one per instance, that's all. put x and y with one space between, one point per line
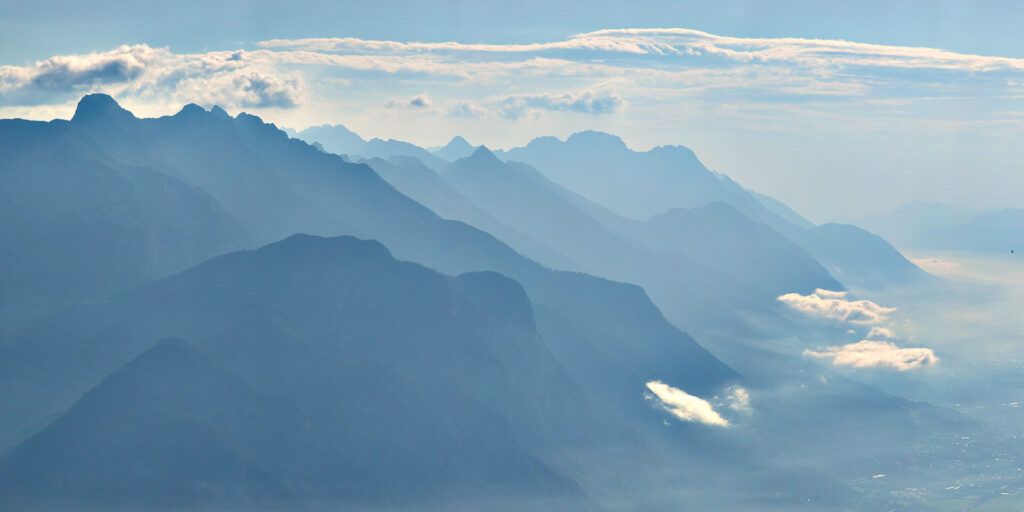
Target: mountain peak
483 154
458 142
99 106
219 112
455 149
590 137
190 110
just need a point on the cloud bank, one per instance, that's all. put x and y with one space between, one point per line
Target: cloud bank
835 306
876 354
142 73
685 406
586 102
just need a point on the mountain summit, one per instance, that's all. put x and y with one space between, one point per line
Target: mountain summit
97 107
457 148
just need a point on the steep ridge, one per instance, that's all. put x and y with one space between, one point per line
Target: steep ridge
341 140
456 148
297 317
364 378
719 236
639 185
692 281
414 179
317 188
79 224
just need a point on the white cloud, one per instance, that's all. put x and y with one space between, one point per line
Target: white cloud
877 332
876 354
829 294
738 399
834 305
145 74
685 406
674 42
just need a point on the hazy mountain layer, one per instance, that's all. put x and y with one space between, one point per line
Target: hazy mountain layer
334 372
79 224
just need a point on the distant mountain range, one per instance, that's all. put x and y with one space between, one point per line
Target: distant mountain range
200 312
935 226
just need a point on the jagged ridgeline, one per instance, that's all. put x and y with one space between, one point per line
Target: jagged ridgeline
202 313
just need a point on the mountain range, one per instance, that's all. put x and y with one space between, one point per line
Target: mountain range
201 312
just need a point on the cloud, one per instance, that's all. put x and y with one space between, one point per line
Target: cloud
265 91
834 305
682 42
685 406
68 73
877 332
876 354
738 399
420 101
467 110
143 74
586 102
829 294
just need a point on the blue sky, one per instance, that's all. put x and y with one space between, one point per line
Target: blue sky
837 108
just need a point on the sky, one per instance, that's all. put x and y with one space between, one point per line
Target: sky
839 109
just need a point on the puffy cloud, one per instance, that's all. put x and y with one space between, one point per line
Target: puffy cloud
587 102
738 399
685 406
876 354
265 91
66 73
829 294
834 305
143 74
877 332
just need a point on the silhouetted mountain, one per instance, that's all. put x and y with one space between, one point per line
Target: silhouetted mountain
782 210
359 378
334 138
998 231
633 184
169 430
935 226
414 179
286 185
388 148
340 140
325 372
858 258
455 149
639 185
79 224
718 236
692 294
